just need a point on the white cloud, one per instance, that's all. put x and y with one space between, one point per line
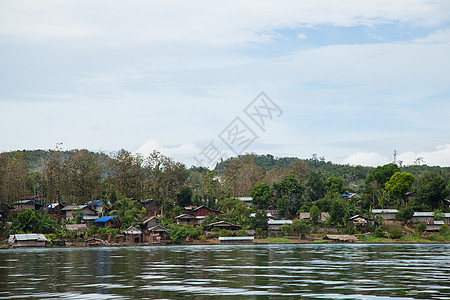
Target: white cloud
302 36
439 157
366 159
184 153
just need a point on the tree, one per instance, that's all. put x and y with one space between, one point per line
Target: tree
127 211
338 212
335 185
314 214
261 195
316 187
55 177
431 188
405 214
126 174
283 206
184 197
259 221
399 184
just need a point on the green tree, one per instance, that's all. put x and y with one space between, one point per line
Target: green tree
283 206
338 212
315 214
259 221
399 184
431 188
405 214
184 197
335 185
261 195
316 186
127 211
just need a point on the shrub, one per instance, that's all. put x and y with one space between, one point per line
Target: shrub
421 227
379 232
224 232
242 233
395 234
444 230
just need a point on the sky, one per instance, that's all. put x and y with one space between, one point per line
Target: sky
200 81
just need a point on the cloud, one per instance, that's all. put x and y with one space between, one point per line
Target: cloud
184 153
366 159
301 36
439 157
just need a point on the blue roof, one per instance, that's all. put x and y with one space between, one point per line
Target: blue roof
97 202
104 219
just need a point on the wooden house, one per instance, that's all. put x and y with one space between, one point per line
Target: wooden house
202 211
307 216
27 240
158 234
106 221
186 219
386 214
223 225
424 217
150 222
133 235
88 212
27 204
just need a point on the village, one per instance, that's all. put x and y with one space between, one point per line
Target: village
86 225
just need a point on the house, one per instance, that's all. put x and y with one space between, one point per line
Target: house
275 225
424 217
341 238
360 220
87 211
98 206
150 222
224 225
27 204
158 234
134 235
202 211
386 214
434 225
247 200
27 240
306 216
106 221
76 227
185 219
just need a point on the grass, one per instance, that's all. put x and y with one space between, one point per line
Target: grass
414 238
373 239
278 240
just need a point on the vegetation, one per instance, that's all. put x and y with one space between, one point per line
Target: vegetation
123 181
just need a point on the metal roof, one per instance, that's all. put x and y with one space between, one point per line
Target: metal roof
185 216
158 228
424 214
104 219
279 222
30 237
132 230
384 211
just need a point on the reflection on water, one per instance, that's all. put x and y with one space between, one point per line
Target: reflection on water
331 271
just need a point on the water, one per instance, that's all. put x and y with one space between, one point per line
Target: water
328 271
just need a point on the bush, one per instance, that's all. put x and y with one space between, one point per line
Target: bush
242 233
379 232
224 232
421 227
395 234
444 230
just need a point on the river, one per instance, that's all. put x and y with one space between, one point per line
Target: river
312 271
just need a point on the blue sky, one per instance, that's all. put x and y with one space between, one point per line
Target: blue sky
354 79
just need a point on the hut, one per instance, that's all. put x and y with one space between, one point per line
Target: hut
158 234
360 220
87 211
133 234
27 240
106 221
386 214
186 219
224 225
307 216
150 222
27 204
